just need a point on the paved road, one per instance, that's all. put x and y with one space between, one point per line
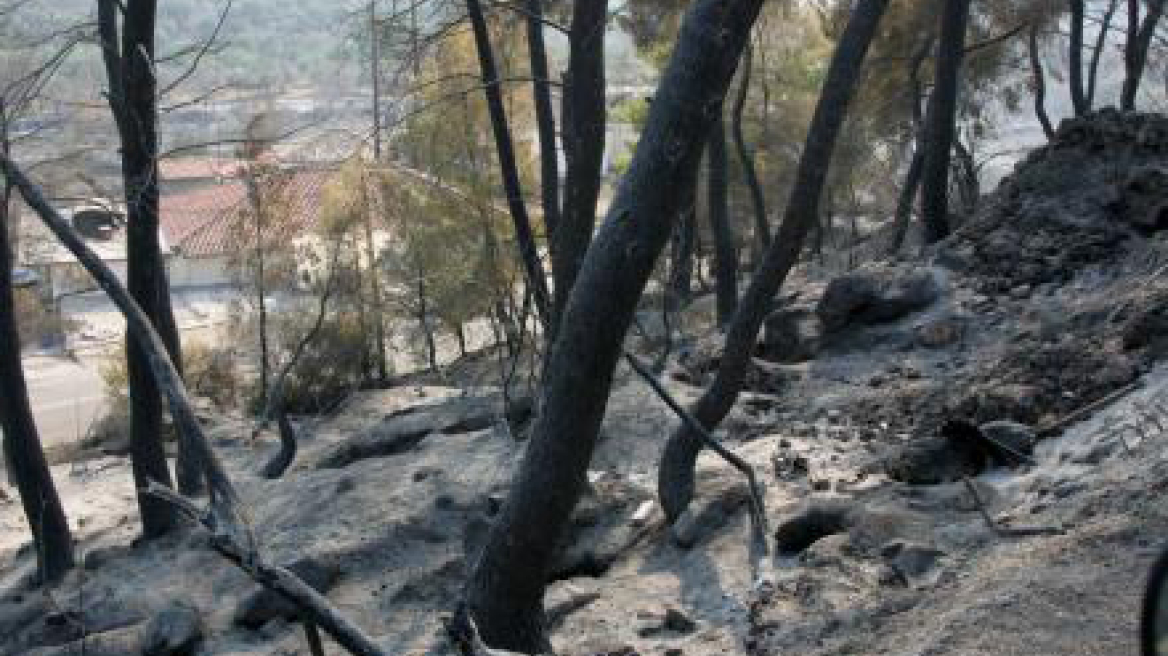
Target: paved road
67 397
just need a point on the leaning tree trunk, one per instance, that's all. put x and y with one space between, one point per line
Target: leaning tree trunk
585 120
1136 51
1075 58
718 210
508 168
545 120
1039 78
1097 53
675 481
912 177
941 122
506 587
746 158
22 446
130 69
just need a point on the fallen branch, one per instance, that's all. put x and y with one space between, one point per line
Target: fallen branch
313 606
224 518
1006 531
1075 415
759 547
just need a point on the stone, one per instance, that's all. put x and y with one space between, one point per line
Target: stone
914 561
873 295
263 605
678 622
176 631
1015 437
792 335
401 431
941 331
955 453
1143 196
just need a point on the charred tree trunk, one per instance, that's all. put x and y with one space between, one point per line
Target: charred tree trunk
746 157
545 120
585 120
130 68
505 591
524 236
24 457
682 260
1075 58
1097 53
676 474
1136 51
941 120
912 177
1039 78
718 210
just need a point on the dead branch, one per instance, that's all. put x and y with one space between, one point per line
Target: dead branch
1075 415
759 548
224 518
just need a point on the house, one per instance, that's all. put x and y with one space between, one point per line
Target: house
210 227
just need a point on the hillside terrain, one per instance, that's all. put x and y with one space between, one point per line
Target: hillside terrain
962 453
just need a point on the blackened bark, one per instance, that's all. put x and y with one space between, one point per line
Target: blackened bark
941 122
524 236
545 120
1136 52
1039 78
718 210
1075 57
746 157
130 69
585 119
505 590
675 481
912 178
1097 54
24 456
904 200
680 284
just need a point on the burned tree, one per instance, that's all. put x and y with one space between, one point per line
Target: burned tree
675 481
505 591
132 96
24 457
941 120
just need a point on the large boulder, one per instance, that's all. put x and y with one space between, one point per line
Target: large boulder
792 335
876 294
401 431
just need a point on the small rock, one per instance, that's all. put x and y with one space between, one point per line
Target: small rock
1017 438
792 335
677 621
176 631
912 560
941 332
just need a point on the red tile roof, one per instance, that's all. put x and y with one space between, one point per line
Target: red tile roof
216 220
195 168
